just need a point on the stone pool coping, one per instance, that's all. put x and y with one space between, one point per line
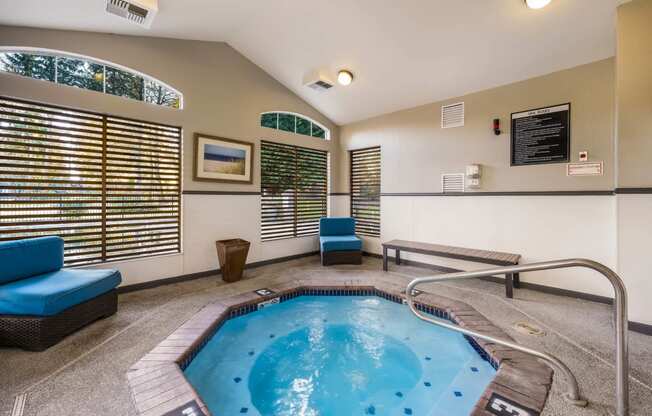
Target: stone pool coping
159 388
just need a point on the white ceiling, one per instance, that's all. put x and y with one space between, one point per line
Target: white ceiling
403 52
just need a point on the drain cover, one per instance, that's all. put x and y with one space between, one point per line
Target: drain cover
529 329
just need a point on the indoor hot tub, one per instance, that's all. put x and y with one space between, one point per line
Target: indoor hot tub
337 355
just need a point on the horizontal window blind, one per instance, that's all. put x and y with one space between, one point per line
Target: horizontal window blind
294 185
108 185
365 190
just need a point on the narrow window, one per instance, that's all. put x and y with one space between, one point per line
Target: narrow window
294 185
109 186
365 190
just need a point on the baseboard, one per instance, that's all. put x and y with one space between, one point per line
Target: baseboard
633 326
199 275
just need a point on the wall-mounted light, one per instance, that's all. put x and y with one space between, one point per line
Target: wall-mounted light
344 77
537 4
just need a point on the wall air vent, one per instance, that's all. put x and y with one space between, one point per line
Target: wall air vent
141 12
452 115
452 182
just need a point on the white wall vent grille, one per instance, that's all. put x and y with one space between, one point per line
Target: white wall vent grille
452 115
452 182
141 12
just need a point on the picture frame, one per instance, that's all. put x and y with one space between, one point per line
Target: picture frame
218 159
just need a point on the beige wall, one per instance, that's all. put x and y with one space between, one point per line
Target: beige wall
634 86
416 150
224 93
634 142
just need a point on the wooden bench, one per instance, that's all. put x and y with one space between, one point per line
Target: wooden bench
460 253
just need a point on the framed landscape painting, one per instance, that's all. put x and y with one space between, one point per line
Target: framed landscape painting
223 160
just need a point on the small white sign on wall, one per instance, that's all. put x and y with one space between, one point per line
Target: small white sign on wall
585 169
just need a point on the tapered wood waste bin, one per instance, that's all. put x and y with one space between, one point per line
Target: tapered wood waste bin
232 254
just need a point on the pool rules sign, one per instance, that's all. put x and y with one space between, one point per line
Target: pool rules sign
541 136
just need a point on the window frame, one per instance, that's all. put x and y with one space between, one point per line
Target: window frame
296 197
370 227
71 55
108 226
327 132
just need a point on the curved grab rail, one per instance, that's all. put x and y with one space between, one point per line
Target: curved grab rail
620 312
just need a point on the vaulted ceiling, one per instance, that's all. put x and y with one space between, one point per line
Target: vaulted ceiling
403 53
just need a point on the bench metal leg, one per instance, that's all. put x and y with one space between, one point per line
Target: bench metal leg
398 257
509 285
517 281
385 258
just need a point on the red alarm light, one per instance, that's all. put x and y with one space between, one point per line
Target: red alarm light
496 126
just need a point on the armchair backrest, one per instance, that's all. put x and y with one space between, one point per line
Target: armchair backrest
21 259
330 226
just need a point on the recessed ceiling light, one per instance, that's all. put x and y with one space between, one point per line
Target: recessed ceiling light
537 4
344 77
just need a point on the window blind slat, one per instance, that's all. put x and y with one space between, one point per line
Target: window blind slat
62 173
365 190
294 184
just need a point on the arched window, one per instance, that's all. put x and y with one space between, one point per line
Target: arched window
88 73
294 123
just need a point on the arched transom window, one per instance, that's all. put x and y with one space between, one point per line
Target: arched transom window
294 123
88 73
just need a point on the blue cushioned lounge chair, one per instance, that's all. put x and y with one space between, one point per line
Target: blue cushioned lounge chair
41 302
337 241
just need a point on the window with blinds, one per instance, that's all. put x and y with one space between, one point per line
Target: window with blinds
294 186
365 190
109 186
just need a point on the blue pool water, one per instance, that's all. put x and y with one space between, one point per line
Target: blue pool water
337 356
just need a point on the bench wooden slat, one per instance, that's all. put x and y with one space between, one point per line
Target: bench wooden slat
496 257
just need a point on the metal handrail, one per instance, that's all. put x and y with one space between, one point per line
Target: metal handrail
620 312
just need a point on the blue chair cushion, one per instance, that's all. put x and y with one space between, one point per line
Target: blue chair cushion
340 243
30 257
336 226
50 293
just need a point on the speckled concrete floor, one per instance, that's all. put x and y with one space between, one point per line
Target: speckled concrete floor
85 374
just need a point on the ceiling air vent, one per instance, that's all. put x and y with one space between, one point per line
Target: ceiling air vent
141 12
452 115
317 81
452 182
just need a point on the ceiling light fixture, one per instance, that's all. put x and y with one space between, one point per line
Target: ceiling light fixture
344 77
537 4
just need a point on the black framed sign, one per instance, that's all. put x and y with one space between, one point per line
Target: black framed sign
541 136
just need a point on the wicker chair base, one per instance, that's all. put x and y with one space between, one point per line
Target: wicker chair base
37 333
341 257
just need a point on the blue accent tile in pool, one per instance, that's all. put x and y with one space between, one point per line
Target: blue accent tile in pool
353 348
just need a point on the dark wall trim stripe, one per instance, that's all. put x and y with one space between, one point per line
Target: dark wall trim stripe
514 193
220 193
199 275
633 190
246 193
634 326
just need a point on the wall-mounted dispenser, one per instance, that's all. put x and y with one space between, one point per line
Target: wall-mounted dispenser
473 174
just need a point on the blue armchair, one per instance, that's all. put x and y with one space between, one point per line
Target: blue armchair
41 302
338 243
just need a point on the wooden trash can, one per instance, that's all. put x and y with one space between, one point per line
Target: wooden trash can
232 254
